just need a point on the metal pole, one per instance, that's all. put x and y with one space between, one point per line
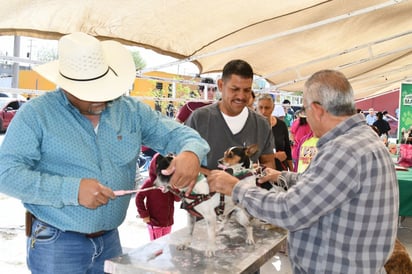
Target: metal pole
15 80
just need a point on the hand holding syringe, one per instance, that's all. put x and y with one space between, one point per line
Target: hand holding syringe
126 192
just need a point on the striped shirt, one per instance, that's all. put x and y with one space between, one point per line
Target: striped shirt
342 211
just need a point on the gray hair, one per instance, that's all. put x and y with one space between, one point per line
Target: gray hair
332 90
265 96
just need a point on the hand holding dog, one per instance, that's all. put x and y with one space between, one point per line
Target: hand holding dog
93 194
222 182
185 168
270 175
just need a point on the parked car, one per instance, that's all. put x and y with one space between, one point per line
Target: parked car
8 108
12 95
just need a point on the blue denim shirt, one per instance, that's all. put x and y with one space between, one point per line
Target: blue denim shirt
50 146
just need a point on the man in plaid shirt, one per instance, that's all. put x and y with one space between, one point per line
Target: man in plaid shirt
342 211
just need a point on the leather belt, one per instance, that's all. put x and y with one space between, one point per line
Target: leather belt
30 217
95 234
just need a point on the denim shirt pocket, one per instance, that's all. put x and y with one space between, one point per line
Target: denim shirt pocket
123 148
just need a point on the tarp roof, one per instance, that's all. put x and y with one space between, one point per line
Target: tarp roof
370 41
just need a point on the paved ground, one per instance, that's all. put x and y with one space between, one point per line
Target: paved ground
12 239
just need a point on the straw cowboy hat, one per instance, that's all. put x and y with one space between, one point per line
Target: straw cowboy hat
89 69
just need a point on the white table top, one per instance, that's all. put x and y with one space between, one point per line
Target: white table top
233 255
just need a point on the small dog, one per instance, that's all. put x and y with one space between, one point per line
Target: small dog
202 203
399 262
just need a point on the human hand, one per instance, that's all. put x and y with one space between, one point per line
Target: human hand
93 194
146 219
222 182
281 156
185 168
270 175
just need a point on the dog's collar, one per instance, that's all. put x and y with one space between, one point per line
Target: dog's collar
244 174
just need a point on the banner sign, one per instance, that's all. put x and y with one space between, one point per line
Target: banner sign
405 111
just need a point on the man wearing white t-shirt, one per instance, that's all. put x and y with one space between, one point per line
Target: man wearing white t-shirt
230 122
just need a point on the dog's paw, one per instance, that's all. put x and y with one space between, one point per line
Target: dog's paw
209 253
182 247
250 241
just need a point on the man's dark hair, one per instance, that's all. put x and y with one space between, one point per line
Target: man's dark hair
237 67
379 115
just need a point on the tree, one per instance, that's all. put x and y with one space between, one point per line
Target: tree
138 60
46 54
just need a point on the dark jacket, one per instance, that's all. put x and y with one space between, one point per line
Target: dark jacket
383 126
154 203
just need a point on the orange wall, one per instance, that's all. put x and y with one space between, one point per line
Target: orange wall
29 79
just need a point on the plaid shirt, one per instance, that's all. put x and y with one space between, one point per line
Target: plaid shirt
341 212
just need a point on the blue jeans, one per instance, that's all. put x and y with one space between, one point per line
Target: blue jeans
51 251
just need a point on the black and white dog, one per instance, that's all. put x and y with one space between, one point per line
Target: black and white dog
202 203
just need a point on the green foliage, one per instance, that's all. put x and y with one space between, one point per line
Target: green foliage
46 54
168 105
139 62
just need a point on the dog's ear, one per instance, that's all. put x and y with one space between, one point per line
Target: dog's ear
252 149
159 158
163 162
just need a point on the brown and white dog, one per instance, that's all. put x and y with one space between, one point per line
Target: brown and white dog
202 203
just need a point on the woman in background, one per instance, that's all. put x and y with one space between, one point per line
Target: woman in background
299 129
283 154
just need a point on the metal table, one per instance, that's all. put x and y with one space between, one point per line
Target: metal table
233 255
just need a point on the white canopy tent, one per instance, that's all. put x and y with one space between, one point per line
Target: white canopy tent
370 41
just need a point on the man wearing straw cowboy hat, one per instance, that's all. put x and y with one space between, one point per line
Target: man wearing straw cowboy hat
68 151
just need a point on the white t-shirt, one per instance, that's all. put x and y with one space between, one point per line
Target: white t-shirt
236 123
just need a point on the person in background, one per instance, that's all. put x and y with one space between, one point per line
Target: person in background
307 150
342 212
68 152
299 129
186 110
382 125
282 153
155 207
229 122
289 113
371 117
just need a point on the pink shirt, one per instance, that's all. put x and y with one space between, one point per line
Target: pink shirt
298 132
